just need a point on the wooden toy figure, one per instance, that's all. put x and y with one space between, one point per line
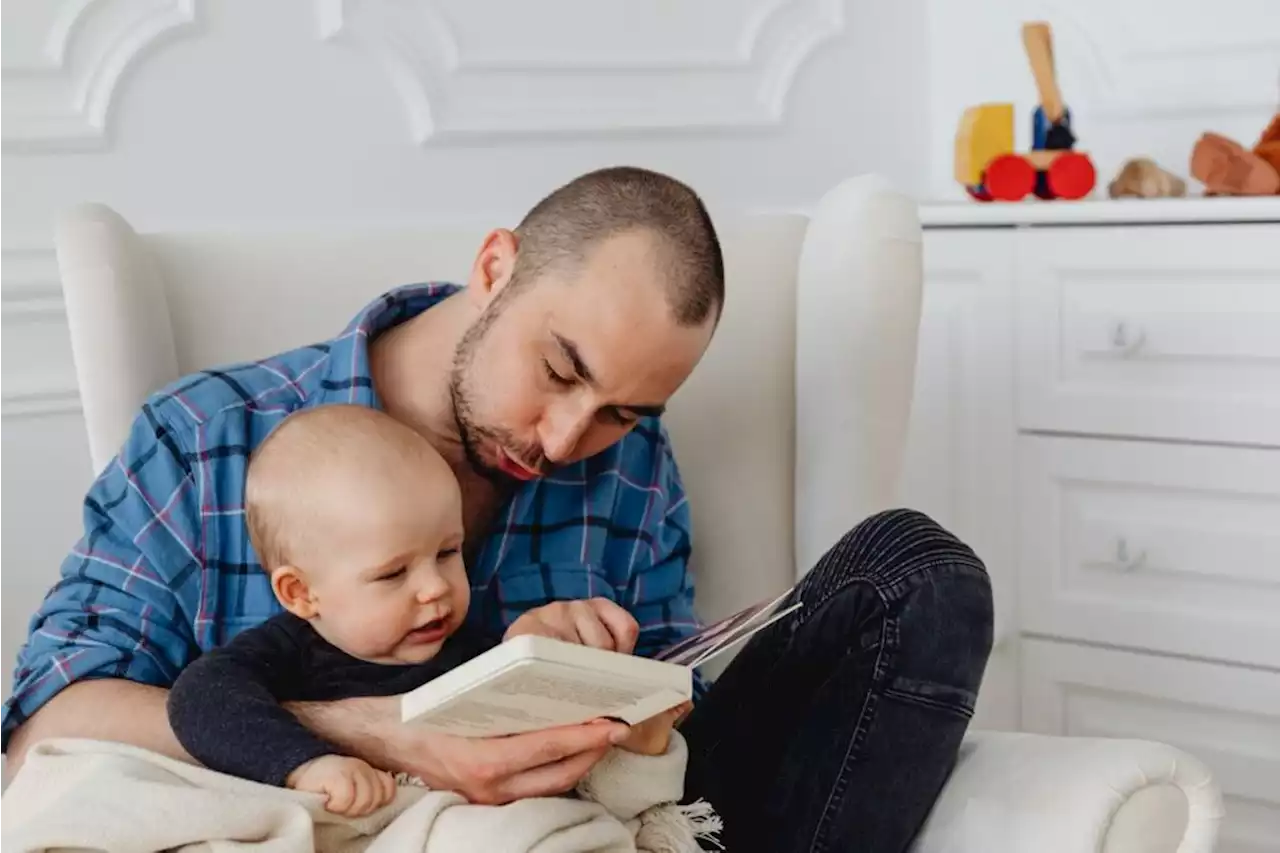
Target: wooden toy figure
985 160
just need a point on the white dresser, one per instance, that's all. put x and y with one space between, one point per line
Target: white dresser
1097 411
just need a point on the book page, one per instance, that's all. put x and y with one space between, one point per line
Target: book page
715 638
541 695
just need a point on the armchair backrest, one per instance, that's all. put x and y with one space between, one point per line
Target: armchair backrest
790 430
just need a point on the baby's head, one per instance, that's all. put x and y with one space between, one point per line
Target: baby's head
358 520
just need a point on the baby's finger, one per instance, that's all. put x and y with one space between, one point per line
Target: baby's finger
341 792
364 792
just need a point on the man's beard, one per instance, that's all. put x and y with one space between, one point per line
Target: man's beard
462 394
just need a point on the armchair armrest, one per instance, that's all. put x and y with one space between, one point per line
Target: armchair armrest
1017 792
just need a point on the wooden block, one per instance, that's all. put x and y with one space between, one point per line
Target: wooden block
1042 159
1038 41
985 132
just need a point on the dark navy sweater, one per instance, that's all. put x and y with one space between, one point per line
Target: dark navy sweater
226 707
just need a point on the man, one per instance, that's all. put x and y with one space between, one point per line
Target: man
542 383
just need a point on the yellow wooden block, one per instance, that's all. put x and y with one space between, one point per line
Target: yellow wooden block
985 132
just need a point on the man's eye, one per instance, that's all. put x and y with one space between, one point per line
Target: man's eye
618 417
553 376
394 575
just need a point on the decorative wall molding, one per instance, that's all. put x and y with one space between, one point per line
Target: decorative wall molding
32 310
467 71
31 286
59 98
19 402
1145 61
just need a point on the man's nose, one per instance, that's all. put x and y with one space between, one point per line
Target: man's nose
562 430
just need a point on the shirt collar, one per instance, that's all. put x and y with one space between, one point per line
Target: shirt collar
349 379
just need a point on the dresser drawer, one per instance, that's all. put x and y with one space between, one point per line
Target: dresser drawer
1227 717
1160 332
1154 546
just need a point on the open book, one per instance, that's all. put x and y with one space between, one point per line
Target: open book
529 683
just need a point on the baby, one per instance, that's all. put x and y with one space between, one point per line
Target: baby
358 521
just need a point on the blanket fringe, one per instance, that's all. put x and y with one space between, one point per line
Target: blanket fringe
672 828
404 779
667 828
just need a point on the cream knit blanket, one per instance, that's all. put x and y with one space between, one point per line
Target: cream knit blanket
91 795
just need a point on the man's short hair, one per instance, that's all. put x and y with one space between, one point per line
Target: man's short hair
565 226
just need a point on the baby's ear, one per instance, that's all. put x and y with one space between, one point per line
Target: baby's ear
289 583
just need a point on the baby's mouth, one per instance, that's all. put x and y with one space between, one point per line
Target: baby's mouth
430 632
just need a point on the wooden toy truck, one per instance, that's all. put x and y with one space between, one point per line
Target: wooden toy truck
986 163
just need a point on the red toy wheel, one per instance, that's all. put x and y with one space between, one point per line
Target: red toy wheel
1009 177
979 193
1071 175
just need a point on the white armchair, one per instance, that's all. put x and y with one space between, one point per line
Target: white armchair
811 371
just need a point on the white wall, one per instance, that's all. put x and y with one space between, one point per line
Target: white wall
278 114
1141 77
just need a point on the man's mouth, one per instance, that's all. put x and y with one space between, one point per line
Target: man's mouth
513 467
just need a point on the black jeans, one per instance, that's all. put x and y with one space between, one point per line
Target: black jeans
836 727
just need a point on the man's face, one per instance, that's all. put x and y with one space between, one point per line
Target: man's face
561 368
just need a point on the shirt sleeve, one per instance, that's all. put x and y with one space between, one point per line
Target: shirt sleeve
225 708
662 592
116 610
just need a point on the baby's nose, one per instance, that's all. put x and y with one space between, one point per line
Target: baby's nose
432 588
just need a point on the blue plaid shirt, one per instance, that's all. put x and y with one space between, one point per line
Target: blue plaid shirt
164 570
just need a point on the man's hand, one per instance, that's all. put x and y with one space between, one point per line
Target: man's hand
653 736
493 771
489 771
351 787
596 622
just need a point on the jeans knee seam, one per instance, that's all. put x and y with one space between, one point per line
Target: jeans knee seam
894 591
879 680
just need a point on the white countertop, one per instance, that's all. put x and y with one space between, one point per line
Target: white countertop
1099 211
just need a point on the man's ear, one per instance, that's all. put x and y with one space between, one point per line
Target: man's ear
289 583
493 265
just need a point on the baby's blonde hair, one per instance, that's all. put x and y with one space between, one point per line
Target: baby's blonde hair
312 450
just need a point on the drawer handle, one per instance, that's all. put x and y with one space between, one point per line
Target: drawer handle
1125 342
1127 563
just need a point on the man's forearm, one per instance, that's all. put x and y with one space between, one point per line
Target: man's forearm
123 711
359 727
102 709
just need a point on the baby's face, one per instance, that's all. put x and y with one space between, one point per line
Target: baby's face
385 566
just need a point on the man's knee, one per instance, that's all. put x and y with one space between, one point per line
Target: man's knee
944 635
893 547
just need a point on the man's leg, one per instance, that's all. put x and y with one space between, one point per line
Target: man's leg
836 727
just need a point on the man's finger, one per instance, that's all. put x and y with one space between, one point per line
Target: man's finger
621 624
518 753
541 625
550 779
591 629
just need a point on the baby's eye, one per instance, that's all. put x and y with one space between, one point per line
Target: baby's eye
394 574
446 554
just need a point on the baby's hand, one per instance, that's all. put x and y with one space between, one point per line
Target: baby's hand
354 788
653 736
